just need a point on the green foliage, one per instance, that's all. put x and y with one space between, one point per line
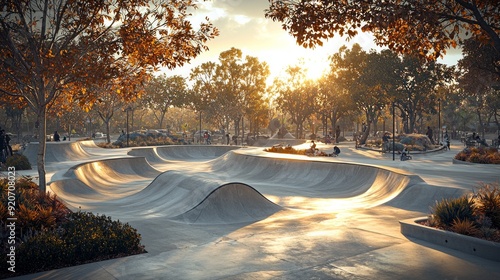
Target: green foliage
83 237
43 251
445 212
20 162
99 236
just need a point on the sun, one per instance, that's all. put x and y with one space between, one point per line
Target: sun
316 69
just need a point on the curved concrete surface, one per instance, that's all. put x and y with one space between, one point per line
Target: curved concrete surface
193 152
229 203
217 212
103 180
149 153
57 151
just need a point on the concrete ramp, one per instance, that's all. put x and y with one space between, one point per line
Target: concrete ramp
283 177
237 186
182 197
88 144
149 153
57 152
193 152
109 179
75 191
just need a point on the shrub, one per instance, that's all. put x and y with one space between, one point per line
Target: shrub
20 162
49 235
285 150
98 236
43 251
477 215
465 227
483 155
487 200
138 140
82 238
448 210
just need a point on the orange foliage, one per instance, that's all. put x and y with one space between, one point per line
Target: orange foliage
423 27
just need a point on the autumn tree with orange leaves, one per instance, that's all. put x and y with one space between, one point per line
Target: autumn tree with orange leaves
423 27
59 50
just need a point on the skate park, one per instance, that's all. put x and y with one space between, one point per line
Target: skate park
233 212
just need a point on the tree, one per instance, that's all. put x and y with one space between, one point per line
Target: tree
231 89
424 27
417 83
367 77
106 107
478 81
296 97
163 92
253 86
203 93
53 48
333 101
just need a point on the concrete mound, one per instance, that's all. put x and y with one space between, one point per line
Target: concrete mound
230 203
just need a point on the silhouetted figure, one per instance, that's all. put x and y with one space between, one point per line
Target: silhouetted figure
429 134
336 152
57 138
447 140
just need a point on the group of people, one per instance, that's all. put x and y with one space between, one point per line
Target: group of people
5 147
479 141
314 151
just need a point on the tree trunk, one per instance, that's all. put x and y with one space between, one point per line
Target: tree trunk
40 161
108 137
365 134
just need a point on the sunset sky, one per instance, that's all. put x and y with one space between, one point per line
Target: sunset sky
242 25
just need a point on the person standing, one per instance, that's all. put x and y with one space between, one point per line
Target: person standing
3 148
337 134
8 147
447 140
429 134
57 138
385 142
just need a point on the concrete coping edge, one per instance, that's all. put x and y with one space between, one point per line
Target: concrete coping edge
470 245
